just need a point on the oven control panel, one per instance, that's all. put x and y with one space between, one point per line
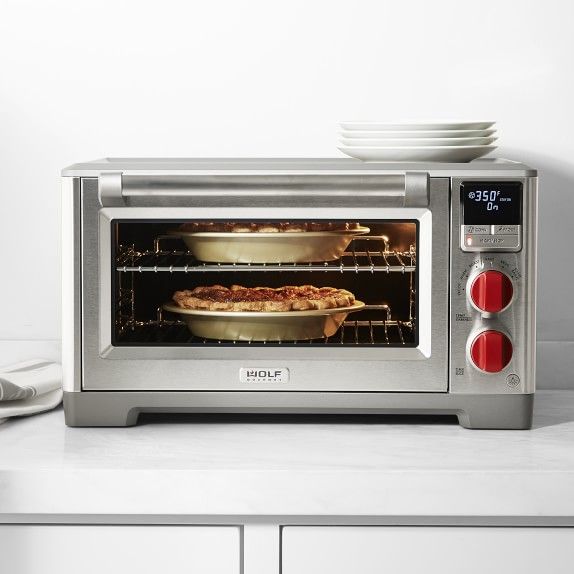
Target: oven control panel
491 216
491 297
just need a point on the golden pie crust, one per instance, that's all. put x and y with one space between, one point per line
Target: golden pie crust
265 299
276 227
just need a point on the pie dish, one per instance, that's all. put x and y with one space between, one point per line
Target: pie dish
315 322
266 299
267 227
282 242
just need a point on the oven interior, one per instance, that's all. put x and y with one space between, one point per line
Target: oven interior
150 264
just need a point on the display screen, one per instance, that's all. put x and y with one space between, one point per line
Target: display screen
491 202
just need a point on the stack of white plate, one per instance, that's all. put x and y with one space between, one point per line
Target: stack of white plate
456 141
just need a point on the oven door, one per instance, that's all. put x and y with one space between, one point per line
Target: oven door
136 255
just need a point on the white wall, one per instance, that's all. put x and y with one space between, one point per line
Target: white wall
82 80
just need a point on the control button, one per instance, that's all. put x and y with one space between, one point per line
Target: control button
505 229
473 242
491 291
491 351
477 229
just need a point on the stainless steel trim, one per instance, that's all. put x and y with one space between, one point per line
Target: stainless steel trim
71 285
422 352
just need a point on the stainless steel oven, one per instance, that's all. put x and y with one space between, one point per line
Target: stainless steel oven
439 259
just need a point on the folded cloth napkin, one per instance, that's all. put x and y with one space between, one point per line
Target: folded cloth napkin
30 387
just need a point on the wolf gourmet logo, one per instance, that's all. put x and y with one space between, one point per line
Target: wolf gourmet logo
263 375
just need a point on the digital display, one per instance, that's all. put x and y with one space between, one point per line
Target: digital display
491 202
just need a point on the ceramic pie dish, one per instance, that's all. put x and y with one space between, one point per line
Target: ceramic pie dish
273 247
261 326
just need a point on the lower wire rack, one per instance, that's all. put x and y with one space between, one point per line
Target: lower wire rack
164 332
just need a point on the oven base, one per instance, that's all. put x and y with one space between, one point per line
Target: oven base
121 408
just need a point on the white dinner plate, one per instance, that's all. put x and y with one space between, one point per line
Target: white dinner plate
452 154
416 142
417 125
403 134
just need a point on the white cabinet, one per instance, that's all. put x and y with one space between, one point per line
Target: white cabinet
432 550
63 549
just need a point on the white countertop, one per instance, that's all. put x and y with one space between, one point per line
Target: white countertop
228 466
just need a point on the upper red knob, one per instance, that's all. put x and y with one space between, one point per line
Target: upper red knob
491 291
491 351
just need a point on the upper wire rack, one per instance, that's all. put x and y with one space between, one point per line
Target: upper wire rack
364 259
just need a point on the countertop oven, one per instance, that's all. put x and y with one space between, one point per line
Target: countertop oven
440 259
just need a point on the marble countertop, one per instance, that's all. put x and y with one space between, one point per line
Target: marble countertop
226 466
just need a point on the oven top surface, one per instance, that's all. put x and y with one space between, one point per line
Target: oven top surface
243 166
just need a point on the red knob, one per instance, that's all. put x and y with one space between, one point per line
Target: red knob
491 351
491 291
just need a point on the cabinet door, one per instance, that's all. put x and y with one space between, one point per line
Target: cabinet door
432 550
62 549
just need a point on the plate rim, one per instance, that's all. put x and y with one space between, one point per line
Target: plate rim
173 308
353 133
412 123
491 139
418 148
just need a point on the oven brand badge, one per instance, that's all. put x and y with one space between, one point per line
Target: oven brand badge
263 375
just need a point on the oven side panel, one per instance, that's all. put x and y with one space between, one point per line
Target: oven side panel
71 284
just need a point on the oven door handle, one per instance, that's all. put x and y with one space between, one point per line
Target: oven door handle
407 189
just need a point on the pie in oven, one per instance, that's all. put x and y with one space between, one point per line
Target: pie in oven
265 299
275 227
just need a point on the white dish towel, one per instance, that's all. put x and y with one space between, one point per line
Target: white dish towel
29 387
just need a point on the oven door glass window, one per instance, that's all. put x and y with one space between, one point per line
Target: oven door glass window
204 283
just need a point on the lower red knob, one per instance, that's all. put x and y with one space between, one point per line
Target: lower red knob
491 351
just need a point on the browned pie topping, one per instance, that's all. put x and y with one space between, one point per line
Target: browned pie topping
288 298
276 227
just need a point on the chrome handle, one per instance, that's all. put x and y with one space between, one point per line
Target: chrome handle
409 189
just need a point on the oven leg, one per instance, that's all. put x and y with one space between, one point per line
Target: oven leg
496 412
98 410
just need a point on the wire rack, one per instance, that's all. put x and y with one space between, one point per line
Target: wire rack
371 253
384 331
375 324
